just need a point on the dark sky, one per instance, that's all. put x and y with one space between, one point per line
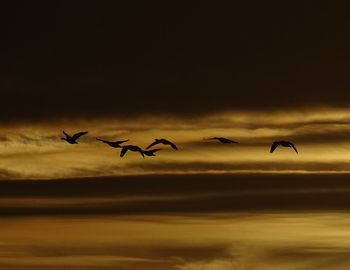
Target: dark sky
117 58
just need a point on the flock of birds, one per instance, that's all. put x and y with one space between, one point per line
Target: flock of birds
151 152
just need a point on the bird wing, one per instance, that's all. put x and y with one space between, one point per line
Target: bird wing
79 134
65 133
104 141
123 151
172 145
273 146
152 144
295 149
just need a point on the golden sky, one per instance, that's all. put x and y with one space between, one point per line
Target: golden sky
36 152
266 241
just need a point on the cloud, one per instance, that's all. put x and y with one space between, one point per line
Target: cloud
36 152
176 194
264 241
246 166
287 258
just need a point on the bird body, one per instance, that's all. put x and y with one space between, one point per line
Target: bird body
115 144
73 139
275 144
134 148
222 140
162 141
150 153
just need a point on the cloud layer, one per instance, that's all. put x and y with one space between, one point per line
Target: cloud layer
264 241
176 194
36 152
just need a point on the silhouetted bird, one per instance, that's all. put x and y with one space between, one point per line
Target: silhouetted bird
282 143
133 148
162 141
150 153
73 139
115 144
222 140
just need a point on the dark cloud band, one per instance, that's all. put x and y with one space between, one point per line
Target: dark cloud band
181 194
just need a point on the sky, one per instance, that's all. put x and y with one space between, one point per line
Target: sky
122 60
254 72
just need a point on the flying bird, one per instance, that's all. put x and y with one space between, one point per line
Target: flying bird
115 144
73 139
134 148
150 153
222 140
284 144
162 141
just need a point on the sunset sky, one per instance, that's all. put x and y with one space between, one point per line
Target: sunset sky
253 72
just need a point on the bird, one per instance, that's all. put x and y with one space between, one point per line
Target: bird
162 141
115 144
150 153
222 140
73 139
133 148
275 144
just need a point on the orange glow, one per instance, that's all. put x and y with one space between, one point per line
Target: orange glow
36 151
